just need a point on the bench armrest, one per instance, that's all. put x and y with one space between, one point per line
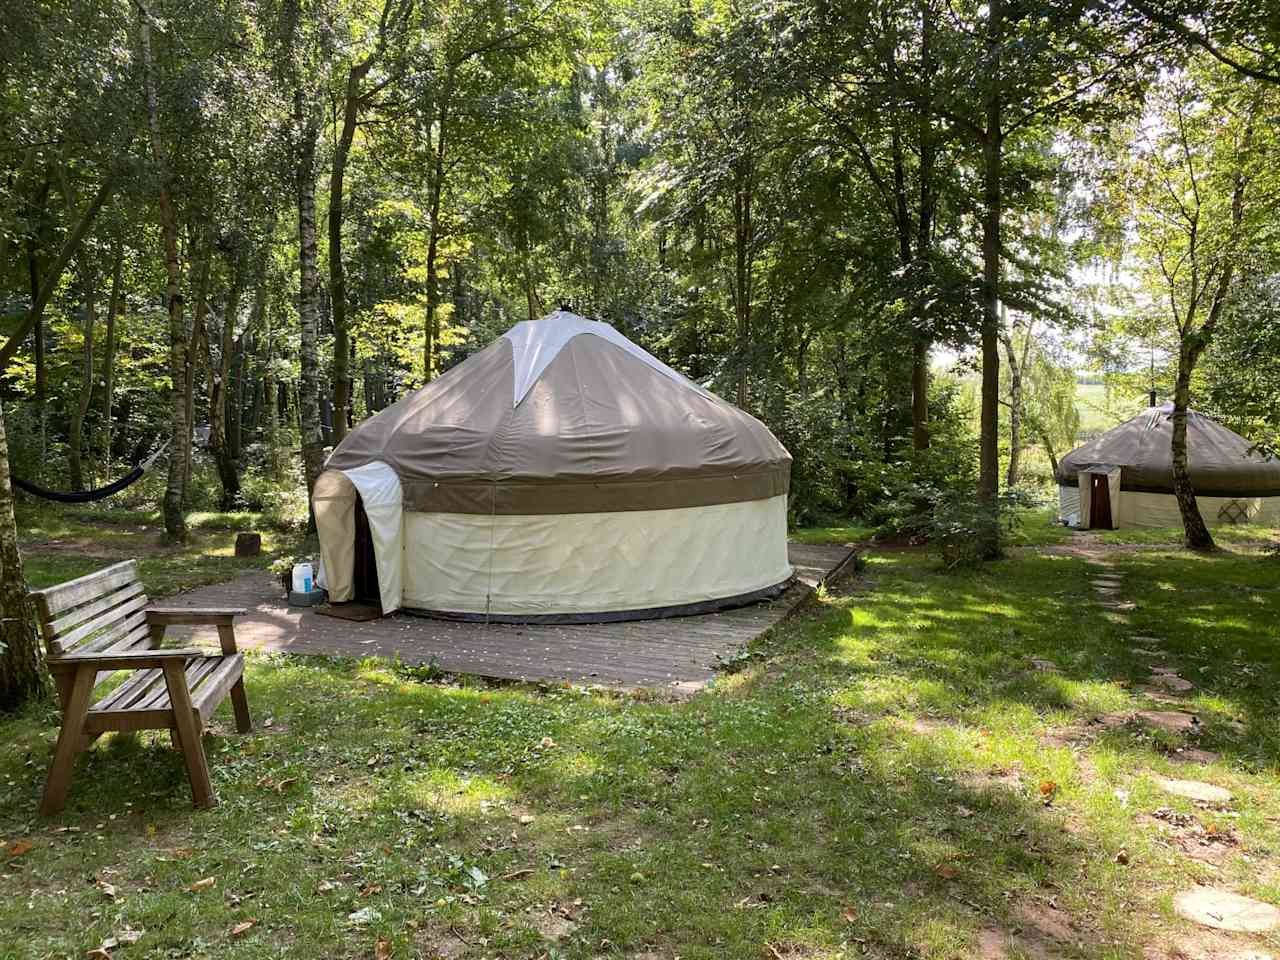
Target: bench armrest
169 616
127 659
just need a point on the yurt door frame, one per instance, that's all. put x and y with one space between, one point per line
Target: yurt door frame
1099 497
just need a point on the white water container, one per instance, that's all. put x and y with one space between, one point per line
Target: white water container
303 578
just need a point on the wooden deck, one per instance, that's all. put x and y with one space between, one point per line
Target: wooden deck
678 654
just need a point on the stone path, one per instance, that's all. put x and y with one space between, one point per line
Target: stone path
1206 906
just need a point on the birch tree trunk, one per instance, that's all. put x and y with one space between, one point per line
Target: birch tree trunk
114 307
219 407
175 522
308 296
21 671
75 430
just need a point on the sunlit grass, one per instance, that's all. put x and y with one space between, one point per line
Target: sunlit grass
888 776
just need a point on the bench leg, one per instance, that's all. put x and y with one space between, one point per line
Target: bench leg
69 739
240 703
187 722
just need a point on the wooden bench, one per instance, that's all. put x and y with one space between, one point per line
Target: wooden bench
103 623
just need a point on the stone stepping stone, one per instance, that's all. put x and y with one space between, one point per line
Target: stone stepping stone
1044 666
1194 755
1145 652
1171 681
1226 911
1161 696
1193 790
1173 721
1123 605
1140 639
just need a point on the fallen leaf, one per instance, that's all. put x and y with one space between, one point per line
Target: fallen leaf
964 812
204 884
243 927
370 889
129 936
849 915
1047 789
325 886
526 819
97 953
382 949
363 916
285 784
108 889
546 743
946 871
1122 857
18 848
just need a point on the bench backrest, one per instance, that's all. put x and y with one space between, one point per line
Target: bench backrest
100 611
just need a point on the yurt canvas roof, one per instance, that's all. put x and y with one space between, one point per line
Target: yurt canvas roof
565 415
1221 462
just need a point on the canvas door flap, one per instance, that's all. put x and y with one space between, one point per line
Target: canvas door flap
334 501
383 500
1086 498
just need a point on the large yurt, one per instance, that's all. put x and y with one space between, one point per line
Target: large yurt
1124 478
562 473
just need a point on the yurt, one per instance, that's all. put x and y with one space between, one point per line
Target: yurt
560 474
1124 478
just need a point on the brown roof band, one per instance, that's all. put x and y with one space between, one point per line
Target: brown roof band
539 497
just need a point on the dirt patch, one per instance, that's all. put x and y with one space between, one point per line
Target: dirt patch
1193 755
439 945
1185 832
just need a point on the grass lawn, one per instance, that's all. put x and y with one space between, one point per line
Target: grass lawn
60 545
892 777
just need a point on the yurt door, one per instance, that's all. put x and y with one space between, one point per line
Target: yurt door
365 568
1099 502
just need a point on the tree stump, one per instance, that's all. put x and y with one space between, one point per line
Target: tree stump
248 544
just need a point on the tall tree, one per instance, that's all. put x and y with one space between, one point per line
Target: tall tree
1199 186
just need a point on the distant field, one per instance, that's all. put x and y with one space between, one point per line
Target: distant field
1102 408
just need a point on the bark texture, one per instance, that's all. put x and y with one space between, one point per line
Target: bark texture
21 663
175 522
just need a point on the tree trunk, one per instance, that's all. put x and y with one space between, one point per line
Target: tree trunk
219 407
21 669
175 523
1195 531
75 431
744 243
992 156
341 369
114 306
432 333
197 344
924 233
308 295
1015 409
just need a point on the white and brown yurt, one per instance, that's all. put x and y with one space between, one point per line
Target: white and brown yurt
1124 478
561 473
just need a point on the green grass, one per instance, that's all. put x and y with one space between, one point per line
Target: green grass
59 545
870 785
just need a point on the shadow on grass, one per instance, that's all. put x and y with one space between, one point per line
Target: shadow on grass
876 786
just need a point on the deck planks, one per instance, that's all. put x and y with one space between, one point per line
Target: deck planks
678 654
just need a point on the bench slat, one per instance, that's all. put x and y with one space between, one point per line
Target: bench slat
214 689
129 692
55 600
108 623
195 671
80 614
